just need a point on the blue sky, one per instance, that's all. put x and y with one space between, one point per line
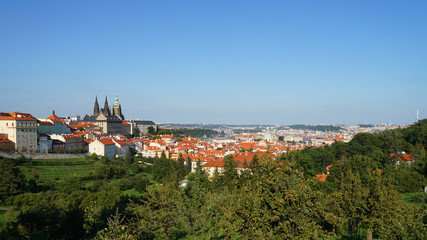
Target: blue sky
233 62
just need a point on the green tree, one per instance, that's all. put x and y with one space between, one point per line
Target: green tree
230 175
12 180
116 229
188 165
161 212
348 204
151 130
130 155
70 184
365 196
181 166
276 204
136 132
195 199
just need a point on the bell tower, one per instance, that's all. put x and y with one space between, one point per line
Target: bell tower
117 108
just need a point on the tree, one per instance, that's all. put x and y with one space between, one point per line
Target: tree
254 165
70 185
116 229
136 132
382 205
195 198
230 175
348 204
162 210
151 130
130 155
276 204
189 165
12 180
164 169
180 166
365 196
163 154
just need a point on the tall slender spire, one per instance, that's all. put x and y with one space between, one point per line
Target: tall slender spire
417 116
106 108
96 107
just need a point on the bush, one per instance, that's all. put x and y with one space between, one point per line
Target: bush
136 168
141 183
110 171
126 183
93 156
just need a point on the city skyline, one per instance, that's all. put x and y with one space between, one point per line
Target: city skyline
245 62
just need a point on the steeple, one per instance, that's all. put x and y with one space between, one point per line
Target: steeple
117 109
106 108
96 107
116 103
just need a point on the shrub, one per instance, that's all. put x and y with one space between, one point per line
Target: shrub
110 171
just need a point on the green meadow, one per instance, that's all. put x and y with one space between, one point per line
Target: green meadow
49 170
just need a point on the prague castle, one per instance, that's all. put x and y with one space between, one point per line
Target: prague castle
111 120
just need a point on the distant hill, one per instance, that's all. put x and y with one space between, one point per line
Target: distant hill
322 128
366 125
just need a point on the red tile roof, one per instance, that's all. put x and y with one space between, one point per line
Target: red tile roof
4 139
56 119
106 141
17 116
321 177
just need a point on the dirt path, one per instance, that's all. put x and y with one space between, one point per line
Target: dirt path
8 209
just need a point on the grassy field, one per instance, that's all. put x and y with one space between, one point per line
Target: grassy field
417 198
56 169
7 214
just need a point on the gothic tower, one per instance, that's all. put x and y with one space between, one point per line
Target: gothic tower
96 107
106 109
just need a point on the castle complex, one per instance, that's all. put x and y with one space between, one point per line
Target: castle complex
111 120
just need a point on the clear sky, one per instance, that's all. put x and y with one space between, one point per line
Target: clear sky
233 62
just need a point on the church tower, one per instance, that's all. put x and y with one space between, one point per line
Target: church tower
106 109
117 109
96 107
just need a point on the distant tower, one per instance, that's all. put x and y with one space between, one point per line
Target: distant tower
106 108
117 108
417 116
96 107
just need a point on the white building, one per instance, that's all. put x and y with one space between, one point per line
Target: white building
20 128
103 147
121 147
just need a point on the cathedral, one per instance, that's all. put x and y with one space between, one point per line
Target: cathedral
115 110
109 119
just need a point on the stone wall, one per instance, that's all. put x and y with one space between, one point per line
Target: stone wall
43 155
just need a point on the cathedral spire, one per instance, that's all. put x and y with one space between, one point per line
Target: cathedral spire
96 107
106 108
